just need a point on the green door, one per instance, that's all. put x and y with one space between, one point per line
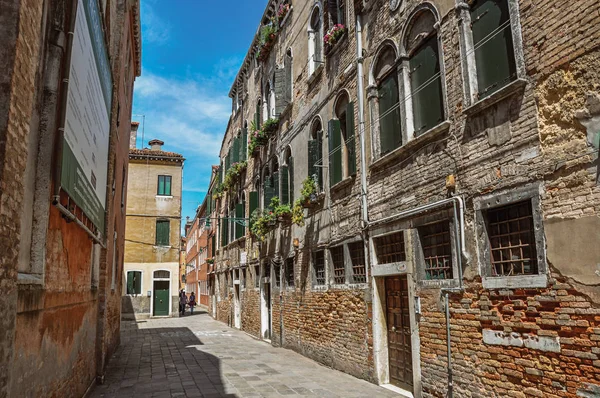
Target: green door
161 298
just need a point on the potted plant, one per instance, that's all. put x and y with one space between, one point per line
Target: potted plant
333 36
270 126
284 9
308 194
281 212
268 34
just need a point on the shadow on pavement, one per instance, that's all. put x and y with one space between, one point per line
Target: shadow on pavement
161 362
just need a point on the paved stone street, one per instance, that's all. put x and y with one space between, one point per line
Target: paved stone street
196 356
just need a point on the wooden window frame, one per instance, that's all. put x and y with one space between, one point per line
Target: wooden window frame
164 193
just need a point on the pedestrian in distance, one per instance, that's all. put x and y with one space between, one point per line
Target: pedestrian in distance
183 302
192 303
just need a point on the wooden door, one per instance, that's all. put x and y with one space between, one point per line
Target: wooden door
398 329
161 298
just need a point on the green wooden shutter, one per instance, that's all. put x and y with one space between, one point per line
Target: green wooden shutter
335 152
320 161
313 147
130 278
426 86
168 185
389 114
137 282
350 140
275 185
161 185
285 186
253 197
291 179
288 79
162 232
239 214
220 174
235 153
243 144
268 191
224 231
280 100
257 116
494 52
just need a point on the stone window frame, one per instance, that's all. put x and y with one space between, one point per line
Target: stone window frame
405 100
289 287
348 269
532 192
468 63
389 268
325 285
314 37
346 171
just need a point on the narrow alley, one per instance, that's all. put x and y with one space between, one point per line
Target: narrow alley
196 356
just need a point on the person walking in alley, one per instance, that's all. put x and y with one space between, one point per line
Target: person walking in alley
182 302
192 303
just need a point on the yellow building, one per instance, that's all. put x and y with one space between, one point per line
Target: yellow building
153 233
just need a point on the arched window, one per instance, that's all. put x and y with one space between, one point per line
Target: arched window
271 110
425 90
342 146
287 178
315 40
315 152
385 76
267 192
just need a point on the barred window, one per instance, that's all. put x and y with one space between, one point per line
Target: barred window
437 251
319 267
256 276
512 240
390 248
277 275
357 255
289 271
339 268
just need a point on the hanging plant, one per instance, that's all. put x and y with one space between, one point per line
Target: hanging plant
271 125
231 177
267 36
282 212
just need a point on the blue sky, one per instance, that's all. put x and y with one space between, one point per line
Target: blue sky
191 52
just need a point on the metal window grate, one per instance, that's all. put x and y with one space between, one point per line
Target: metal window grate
277 275
437 252
319 266
390 248
357 255
512 240
289 271
339 269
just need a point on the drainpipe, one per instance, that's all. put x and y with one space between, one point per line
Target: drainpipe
449 351
363 151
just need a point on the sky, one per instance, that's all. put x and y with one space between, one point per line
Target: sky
191 52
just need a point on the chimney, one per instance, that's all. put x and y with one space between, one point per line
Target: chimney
156 145
133 134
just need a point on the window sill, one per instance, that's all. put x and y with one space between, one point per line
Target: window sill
498 96
315 75
30 279
389 269
521 281
164 196
343 184
330 50
320 288
407 148
438 283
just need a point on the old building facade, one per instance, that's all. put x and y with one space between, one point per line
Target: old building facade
62 247
445 242
153 235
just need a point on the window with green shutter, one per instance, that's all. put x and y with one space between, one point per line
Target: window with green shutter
315 153
244 145
224 231
388 98
235 150
493 45
253 196
240 231
134 282
164 186
162 232
335 152
426 86
350 140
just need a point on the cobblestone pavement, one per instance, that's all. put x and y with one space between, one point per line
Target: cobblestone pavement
196 356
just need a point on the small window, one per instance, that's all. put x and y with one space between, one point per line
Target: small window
357 255
315 153
134 282
256 276
339 267
390 248
289 272
337 11
342 148
277 275
164 186
512 240
161 274
437 250
162 233
319 268
315 41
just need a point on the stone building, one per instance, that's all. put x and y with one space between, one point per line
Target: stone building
153 234
454 199
62 225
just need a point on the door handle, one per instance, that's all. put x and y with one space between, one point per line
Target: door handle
393 328
161 301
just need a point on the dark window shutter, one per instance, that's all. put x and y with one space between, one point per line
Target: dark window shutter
288 80
137 282
208 203
224 231
235 152
161 185
239 214
318 44
280 99
275 185
214 245
162 232
220 175
168 185
426 86
313 147
389 115
335 152
291 179
350 140
320 161
253 196
257 116
494 52
332 7
285 186
130 282
243 144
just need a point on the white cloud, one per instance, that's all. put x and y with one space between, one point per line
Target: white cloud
154 29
